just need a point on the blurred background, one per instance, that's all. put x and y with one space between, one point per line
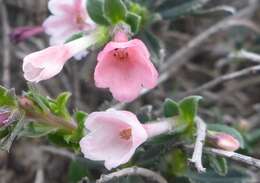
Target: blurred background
212 53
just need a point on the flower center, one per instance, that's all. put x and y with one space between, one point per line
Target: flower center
120 54
126 134
79 20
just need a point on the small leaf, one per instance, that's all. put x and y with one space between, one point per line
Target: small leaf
229 130
60 107
219 164
189 108
170 108
134 21
96 11
7 98
115 10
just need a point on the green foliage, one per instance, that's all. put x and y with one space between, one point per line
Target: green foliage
77 171
59 105
134 21
177 162
36 130
229 130
219 165
170 108
7 98
189 107
96 11
70 140
115 10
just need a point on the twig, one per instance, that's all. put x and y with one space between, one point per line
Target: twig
6 44
244 54
234 156
133 171
224 78
198 148
183 55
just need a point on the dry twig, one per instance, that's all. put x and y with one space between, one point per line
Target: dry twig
198 148
151 175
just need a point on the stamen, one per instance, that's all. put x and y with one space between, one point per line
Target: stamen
121 54
126 134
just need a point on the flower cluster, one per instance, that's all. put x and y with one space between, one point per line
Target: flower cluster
124 66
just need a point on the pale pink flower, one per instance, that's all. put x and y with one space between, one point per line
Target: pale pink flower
114 136
49 62
68 18
125 68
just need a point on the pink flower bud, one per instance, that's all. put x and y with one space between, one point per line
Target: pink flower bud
47 63
224 141
115 135
22 33
4 117
125 68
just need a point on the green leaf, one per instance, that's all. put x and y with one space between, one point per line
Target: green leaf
7 98
96 11
77 171
134 21
219 164
177 162
115 10
229 130
189 108
170 108
59 105
36 130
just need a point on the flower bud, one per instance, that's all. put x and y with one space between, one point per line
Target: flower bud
4 117
223 141
22 33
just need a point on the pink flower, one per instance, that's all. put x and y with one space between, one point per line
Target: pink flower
49 62
113 137
125 68
22 33
68 18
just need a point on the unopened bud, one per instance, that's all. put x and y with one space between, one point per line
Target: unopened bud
4 117
22 33
223 141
